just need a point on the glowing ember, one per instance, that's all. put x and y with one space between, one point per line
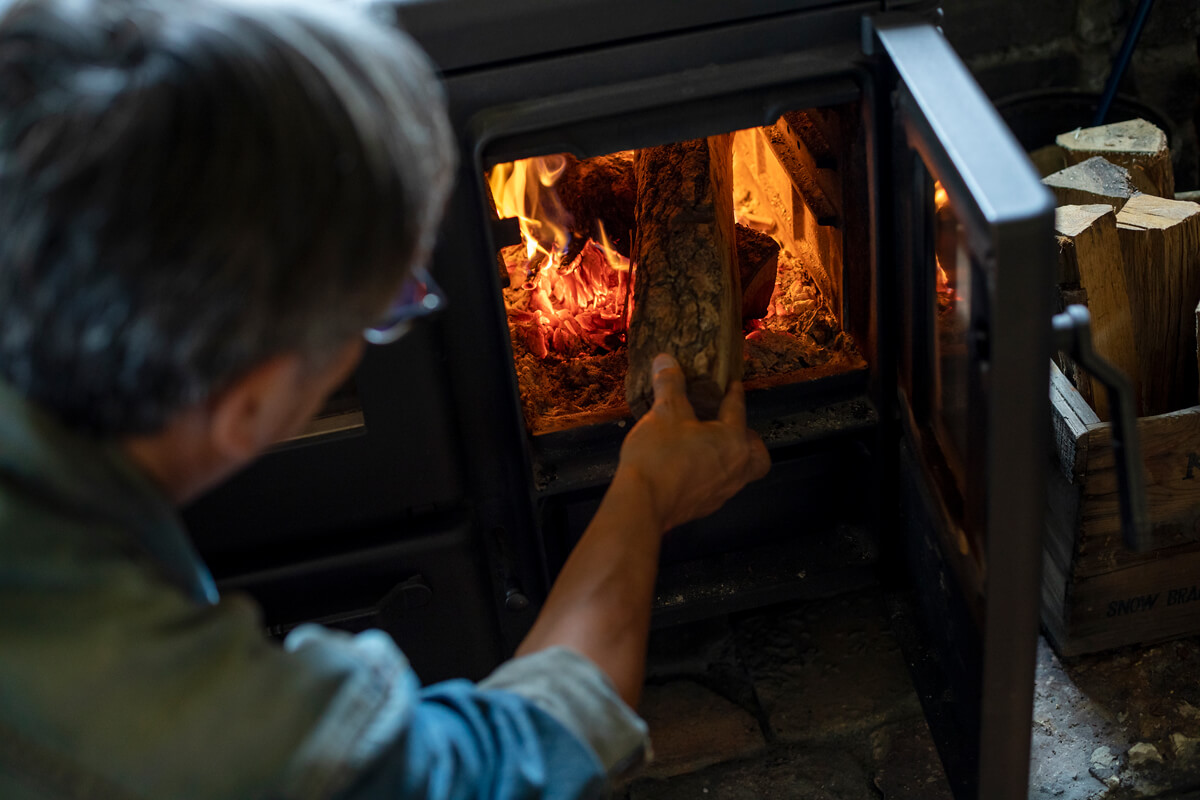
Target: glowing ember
569 290
555 307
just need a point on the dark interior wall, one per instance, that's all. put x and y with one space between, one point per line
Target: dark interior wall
1018 47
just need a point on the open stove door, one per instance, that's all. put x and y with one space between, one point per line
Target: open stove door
972 226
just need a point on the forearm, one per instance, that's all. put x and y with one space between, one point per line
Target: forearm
600 603
673 468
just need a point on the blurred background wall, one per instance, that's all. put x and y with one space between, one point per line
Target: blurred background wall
1044 62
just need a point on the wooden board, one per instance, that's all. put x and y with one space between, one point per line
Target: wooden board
1091 583
687 291
1171 476
1071 295
1090 253
1144 603
1160 245
1134 144
1071 419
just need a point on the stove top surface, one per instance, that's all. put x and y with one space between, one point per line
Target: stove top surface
463 34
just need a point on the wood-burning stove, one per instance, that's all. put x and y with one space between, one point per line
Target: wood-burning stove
430 506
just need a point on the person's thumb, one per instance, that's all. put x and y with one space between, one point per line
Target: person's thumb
670 387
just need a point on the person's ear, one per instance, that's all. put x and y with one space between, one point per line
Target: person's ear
248 415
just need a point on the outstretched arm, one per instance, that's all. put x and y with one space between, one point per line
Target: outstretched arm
673 468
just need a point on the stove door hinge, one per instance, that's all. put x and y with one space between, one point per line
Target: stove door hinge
924 10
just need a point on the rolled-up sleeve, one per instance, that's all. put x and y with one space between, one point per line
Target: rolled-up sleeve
574 691
548 725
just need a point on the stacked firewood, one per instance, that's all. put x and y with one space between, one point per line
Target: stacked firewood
1130 251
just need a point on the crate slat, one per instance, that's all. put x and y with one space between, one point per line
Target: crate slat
1088 571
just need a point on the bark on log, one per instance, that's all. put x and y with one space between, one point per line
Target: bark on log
601 189
1160 244
1089 252
1097 180
758 266
1133 144
687 292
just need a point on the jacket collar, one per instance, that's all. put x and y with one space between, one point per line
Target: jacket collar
95 481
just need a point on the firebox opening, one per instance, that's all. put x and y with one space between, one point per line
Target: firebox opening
568 284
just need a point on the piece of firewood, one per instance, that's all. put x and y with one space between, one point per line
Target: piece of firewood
758 266
1089 251
1097 180
1133 144
820 131
795 226
594 192
687 293
820 188
1160 244
1049 159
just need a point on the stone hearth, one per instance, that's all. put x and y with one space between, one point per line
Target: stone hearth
813 700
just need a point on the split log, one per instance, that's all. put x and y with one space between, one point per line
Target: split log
1097 180
1160 244
505 233
819 187
598 190
758 266
1089 254
820 131
687 293
1133 144
777 186
1049 159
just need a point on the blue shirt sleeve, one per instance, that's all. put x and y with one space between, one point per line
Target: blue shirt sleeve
547 726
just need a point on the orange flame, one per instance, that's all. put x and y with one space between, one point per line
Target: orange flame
946 292
558 308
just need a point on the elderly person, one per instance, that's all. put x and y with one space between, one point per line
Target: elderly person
202 206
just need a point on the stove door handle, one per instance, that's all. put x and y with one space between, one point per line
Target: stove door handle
1073 335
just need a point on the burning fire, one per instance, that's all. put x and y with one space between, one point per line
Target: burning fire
555 307
945 244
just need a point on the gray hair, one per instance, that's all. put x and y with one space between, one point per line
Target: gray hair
189 188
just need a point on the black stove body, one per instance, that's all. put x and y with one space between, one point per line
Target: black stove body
427 508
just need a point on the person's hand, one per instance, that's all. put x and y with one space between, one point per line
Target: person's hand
690 468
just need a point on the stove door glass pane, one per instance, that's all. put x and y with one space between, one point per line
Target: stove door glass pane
952 322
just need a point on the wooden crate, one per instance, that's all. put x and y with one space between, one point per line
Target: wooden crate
1095 593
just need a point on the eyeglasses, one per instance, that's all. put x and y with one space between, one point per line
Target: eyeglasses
419 297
